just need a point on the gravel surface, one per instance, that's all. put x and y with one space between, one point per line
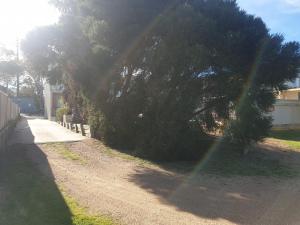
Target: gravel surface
145 194
136 194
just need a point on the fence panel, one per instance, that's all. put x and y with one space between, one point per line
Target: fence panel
8 110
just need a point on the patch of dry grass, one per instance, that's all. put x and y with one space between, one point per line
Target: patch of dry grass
65 151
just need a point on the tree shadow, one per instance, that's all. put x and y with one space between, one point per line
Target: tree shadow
288 135
239 199
28 192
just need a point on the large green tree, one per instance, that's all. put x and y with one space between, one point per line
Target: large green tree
157 75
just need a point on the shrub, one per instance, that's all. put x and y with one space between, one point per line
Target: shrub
61 112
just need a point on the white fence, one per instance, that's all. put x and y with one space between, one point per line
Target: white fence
286 113
8 110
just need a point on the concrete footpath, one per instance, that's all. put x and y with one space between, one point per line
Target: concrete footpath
36 130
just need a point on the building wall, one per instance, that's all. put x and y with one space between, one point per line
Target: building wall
47 101
289 95
52 96
286 113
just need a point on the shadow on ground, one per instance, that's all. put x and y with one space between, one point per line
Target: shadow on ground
28 192
239 199
287 135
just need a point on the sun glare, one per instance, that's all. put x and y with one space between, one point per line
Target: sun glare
17 17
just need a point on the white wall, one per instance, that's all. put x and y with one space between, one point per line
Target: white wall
286 112
47 101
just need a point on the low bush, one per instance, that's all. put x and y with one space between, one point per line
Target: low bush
61 112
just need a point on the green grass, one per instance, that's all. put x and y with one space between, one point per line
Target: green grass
292 135
81 217
292 144
231 163
290 138
31 197
63 150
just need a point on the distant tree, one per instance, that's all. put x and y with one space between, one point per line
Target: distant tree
40 58
9 71
157 76
9 56
38 50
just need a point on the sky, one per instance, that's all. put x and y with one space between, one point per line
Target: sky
17 17
281 16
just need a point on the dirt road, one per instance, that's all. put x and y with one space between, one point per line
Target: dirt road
146 194
136 194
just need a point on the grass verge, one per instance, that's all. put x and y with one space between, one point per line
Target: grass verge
64 151
232 163
289 138
80 216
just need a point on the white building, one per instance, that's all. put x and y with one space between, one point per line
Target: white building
293 93
286 113
52 100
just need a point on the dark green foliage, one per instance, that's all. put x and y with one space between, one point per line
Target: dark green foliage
164 73
250 124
